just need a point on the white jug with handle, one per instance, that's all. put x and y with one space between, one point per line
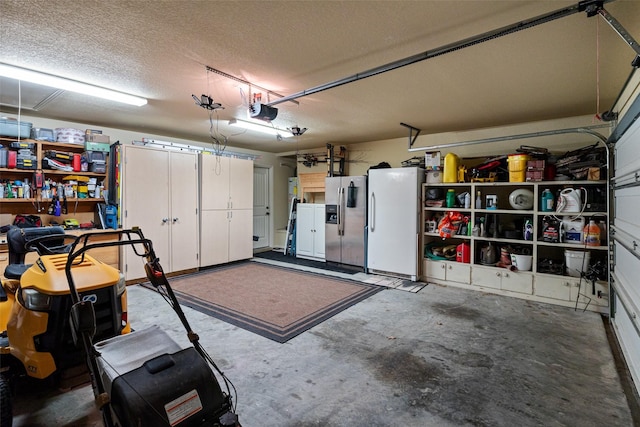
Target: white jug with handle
570 200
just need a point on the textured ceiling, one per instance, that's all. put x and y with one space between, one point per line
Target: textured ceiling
159 49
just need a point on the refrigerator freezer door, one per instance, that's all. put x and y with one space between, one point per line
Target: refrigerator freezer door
332 238
354 220
393 220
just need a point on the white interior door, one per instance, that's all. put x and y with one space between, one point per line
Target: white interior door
146 203
261 204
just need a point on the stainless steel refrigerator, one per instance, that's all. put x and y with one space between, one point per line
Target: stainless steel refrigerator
345 219
393 226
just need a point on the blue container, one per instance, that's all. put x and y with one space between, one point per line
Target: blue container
111 217
546 202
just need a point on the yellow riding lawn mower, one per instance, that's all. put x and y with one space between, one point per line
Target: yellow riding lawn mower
69 310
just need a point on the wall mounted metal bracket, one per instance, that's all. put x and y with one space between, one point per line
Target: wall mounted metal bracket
412 138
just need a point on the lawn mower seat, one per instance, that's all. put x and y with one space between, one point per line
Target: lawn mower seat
18 244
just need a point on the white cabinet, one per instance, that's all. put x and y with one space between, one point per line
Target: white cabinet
310 231
570 289
226 194
503 279
447 271
159 195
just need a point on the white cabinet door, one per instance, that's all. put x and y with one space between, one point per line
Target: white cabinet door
214 182
240 234
310 237
448 271
241 184
304 229
554 287
318 231
513 281
214 237
435 269
145 196
485 276
184 210
160 195
503 279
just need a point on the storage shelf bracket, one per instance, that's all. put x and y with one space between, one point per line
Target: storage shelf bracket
412 138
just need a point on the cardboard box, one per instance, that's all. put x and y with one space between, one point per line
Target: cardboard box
95 137
434 177
534 175
432 161
535 164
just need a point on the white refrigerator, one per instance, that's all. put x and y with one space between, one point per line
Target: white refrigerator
393 231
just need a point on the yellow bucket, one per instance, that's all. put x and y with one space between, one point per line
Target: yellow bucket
517 167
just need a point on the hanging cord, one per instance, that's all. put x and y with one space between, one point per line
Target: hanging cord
597 115
19 107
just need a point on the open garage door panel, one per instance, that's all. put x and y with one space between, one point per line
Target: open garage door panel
626 238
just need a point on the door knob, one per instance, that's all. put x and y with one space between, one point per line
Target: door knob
165 220
175 220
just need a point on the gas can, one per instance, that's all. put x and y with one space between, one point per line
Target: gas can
451 163
463 252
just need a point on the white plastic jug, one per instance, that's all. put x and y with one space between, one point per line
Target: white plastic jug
570 200
571 230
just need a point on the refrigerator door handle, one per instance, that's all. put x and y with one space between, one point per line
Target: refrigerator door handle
341 211
372 222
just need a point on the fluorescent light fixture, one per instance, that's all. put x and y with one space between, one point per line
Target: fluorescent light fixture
50 80
271 130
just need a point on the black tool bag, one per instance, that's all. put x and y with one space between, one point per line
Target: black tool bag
27 221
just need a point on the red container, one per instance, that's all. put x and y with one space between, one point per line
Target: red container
463 252
12 159
76 163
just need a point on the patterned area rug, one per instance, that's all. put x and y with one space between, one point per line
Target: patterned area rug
275 302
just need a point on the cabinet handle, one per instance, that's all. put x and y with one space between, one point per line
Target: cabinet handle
165 220
506 275
450 267
443 266
498 274
175 220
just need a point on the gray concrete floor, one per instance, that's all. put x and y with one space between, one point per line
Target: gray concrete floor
439 357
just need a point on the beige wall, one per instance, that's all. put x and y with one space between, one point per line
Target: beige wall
278 175
364 155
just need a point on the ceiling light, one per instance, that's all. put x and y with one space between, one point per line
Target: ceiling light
271 130
44 79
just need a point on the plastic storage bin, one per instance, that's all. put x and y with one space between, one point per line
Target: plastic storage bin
15 129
